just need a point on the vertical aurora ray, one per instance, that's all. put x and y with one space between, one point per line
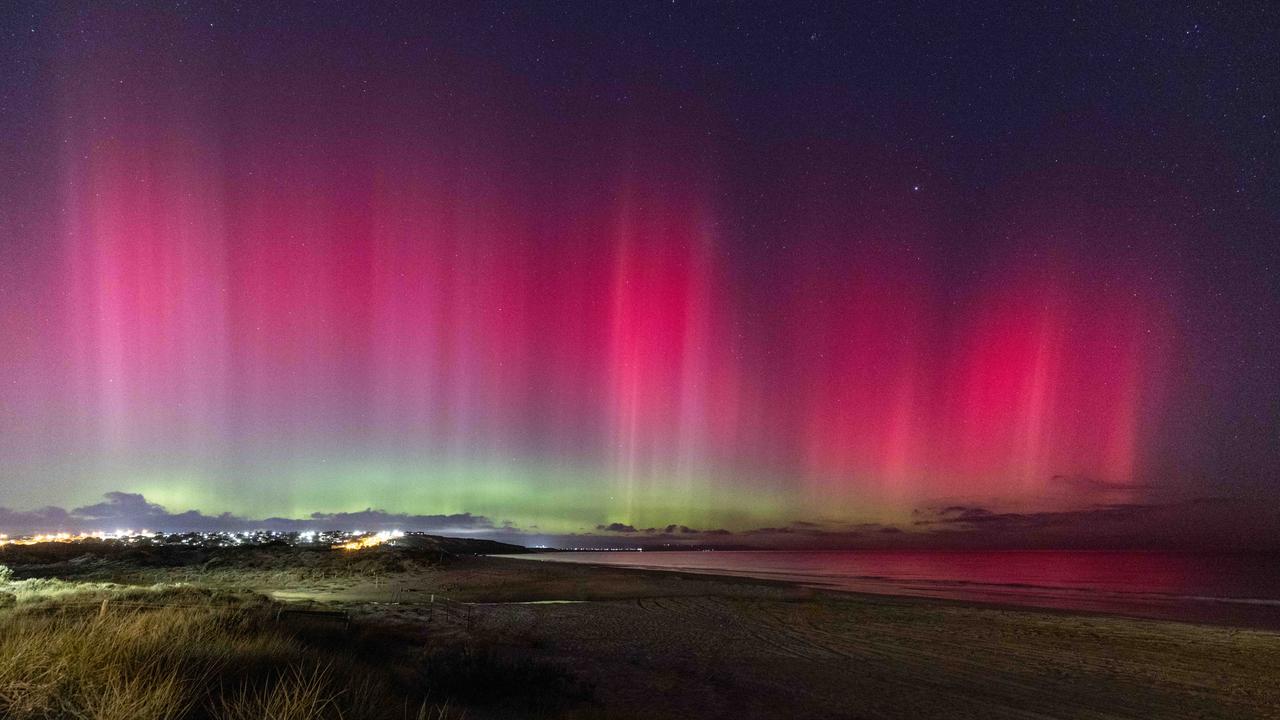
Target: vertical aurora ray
143 338
662 352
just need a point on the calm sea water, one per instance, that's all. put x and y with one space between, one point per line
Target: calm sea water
1239 589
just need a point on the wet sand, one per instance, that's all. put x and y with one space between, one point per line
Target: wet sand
657 644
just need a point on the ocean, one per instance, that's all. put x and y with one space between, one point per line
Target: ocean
1235 589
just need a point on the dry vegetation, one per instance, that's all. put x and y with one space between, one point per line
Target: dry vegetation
262 566
179 653
100 632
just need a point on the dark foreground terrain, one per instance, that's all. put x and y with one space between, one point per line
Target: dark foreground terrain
432 631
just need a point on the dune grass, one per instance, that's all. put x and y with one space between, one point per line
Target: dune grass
177 654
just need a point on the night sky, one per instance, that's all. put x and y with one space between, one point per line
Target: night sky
639 263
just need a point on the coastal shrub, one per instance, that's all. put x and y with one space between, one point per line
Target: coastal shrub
182 654
6 573
297 695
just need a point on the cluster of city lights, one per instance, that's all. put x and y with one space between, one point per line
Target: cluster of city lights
62 537
336 539
368 540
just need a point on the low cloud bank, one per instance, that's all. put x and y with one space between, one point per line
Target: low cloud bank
1197 524
1202 524
121 510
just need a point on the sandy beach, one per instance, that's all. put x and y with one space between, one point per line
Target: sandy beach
659 644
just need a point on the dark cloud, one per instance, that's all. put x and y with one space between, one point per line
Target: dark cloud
680 529
132 510
383 520
966 517
957 513
45 519
119 504
616 528
1199 524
